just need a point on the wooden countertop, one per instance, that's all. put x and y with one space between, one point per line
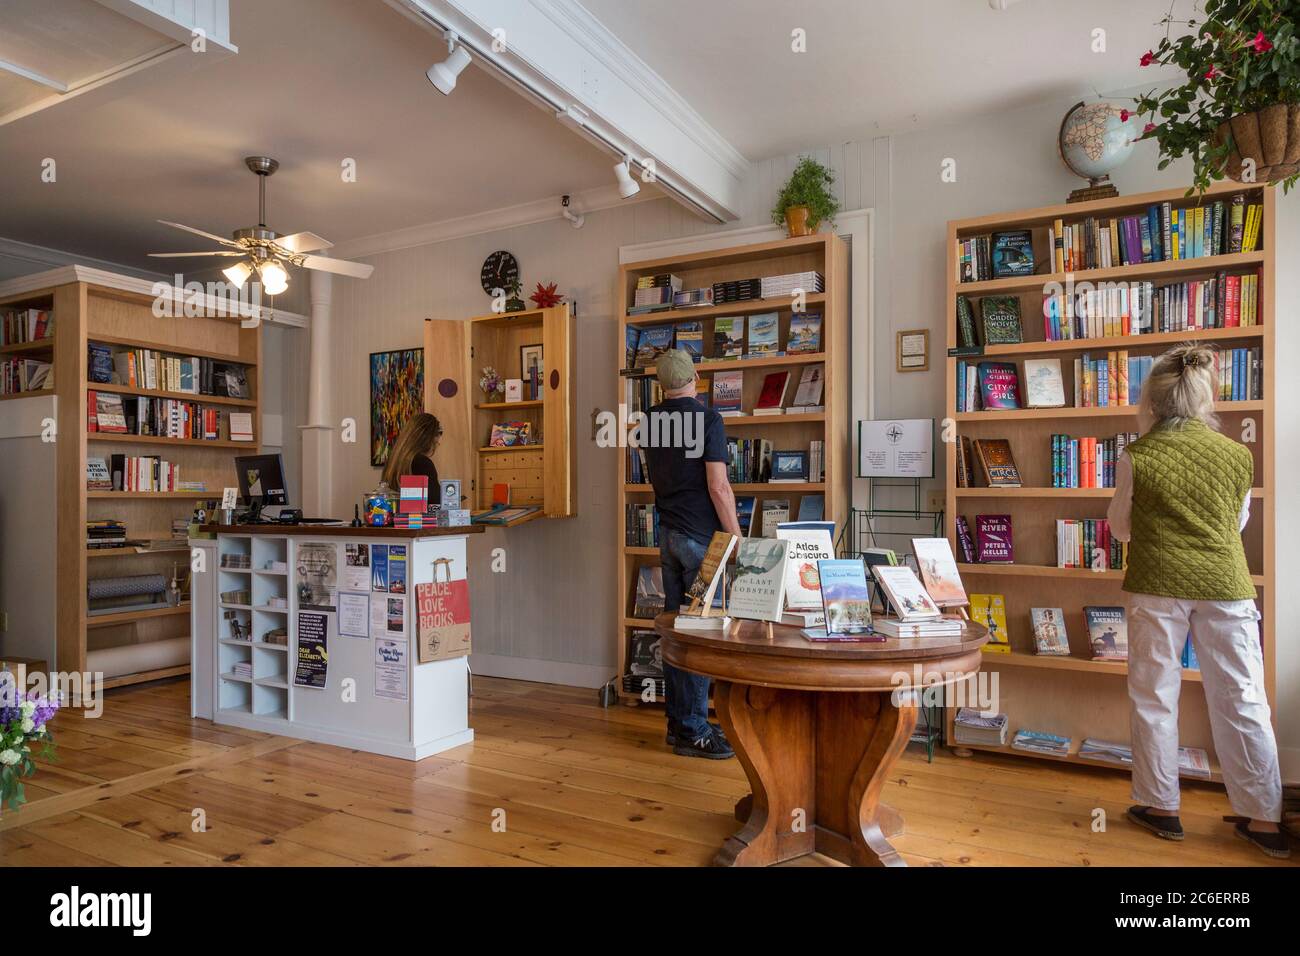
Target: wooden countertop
335 531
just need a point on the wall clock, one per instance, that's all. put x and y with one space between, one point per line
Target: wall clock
500 271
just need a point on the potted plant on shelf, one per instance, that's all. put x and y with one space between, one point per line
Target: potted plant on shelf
806 201
1237 114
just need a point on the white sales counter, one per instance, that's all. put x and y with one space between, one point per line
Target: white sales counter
349 671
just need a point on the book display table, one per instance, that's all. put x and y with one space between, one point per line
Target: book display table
817 728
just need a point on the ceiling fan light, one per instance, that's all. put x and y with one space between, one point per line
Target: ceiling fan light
238 274
627 186
274 277
443 75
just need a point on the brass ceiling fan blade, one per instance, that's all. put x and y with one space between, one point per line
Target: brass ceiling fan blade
303 242
175 255
357 270
200 232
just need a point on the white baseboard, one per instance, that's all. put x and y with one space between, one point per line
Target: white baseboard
543 672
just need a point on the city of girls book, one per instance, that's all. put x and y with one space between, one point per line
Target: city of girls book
939 571
999 385
758 588
846 603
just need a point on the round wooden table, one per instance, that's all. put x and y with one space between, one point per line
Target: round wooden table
817 728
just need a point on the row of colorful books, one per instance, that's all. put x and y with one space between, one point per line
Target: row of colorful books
991 543
1115 379
158 417
155 370
1240 374
755 460
1087 462
20 326
641 526
665 291
998 255
997 466
1088 543
645 344
25 375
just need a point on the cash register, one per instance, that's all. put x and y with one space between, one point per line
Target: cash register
261 484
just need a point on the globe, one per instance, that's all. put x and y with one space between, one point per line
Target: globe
1094 140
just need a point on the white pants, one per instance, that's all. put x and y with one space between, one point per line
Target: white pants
1226 637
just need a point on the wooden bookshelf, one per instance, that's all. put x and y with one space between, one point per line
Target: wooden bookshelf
1075 696
111 310
823 253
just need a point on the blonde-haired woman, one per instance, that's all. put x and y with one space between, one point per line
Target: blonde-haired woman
1182 498
412 453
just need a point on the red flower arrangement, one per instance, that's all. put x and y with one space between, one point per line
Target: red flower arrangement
545 297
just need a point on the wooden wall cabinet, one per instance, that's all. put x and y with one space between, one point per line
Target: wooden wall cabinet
455 354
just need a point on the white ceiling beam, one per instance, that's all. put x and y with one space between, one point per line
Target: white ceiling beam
180 19
563 57
32 75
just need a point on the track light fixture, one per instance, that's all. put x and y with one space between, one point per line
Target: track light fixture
443 75
627 186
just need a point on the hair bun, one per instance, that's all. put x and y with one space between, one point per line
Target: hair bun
1193 356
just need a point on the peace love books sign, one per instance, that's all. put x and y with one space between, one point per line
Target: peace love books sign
442 619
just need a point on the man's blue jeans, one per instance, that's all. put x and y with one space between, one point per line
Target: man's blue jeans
686 695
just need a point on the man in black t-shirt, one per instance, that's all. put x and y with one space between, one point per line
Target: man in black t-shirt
686 451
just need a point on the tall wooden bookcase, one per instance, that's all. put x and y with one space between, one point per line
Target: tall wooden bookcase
824 253
90 306
455 353
1075 696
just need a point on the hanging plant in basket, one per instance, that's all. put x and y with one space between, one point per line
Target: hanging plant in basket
1238 112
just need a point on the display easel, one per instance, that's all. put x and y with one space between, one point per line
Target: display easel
861 532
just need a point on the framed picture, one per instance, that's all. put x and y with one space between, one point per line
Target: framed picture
530 355
396 393
914 350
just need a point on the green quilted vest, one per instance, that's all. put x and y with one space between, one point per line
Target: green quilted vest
1188 485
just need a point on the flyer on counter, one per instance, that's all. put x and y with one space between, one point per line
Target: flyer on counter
379 567
317 575
313 654
356 568
397 569
354 614
390 668
396 615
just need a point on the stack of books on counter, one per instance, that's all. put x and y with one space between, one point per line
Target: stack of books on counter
1041 743
946 626
972 727
784 285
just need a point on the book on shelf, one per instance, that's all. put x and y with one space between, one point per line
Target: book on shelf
909 600
775 511
1036 741
772 396
110 413
745 513
693 298
939 574
997 463
640 525
789 467
690 339
946 626
812 507
1001 320
23 326
98 477
846 602
967 330
758 586
632 338
1193 762
1050 638
99 363
1107 632
653 342
241 427
965 542
660 280
729 338
104 533
144 473
971 726
764 335
1088 543
644 658
993 543
709 576
1044 386
515 434
728 391
787 284
18 375
649 601
809 542
805 333
999 385
990 610
1189 659
808 396
1087 461
1012 253
750 460
737 290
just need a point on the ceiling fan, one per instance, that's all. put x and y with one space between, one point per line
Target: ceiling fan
264 251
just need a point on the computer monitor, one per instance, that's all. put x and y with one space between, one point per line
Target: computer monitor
261 482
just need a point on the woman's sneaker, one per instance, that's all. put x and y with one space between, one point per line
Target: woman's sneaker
711 746
1273 844
1168 828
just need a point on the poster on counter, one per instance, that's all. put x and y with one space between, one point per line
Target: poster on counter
397 569
442 620
356 568
896 448
354 614
313 654
390 668
379 567
317 575
395 619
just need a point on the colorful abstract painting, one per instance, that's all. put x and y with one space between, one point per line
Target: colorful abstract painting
396 393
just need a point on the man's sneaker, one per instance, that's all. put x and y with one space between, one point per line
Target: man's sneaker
1168 828
670 738
1273 844
710 746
